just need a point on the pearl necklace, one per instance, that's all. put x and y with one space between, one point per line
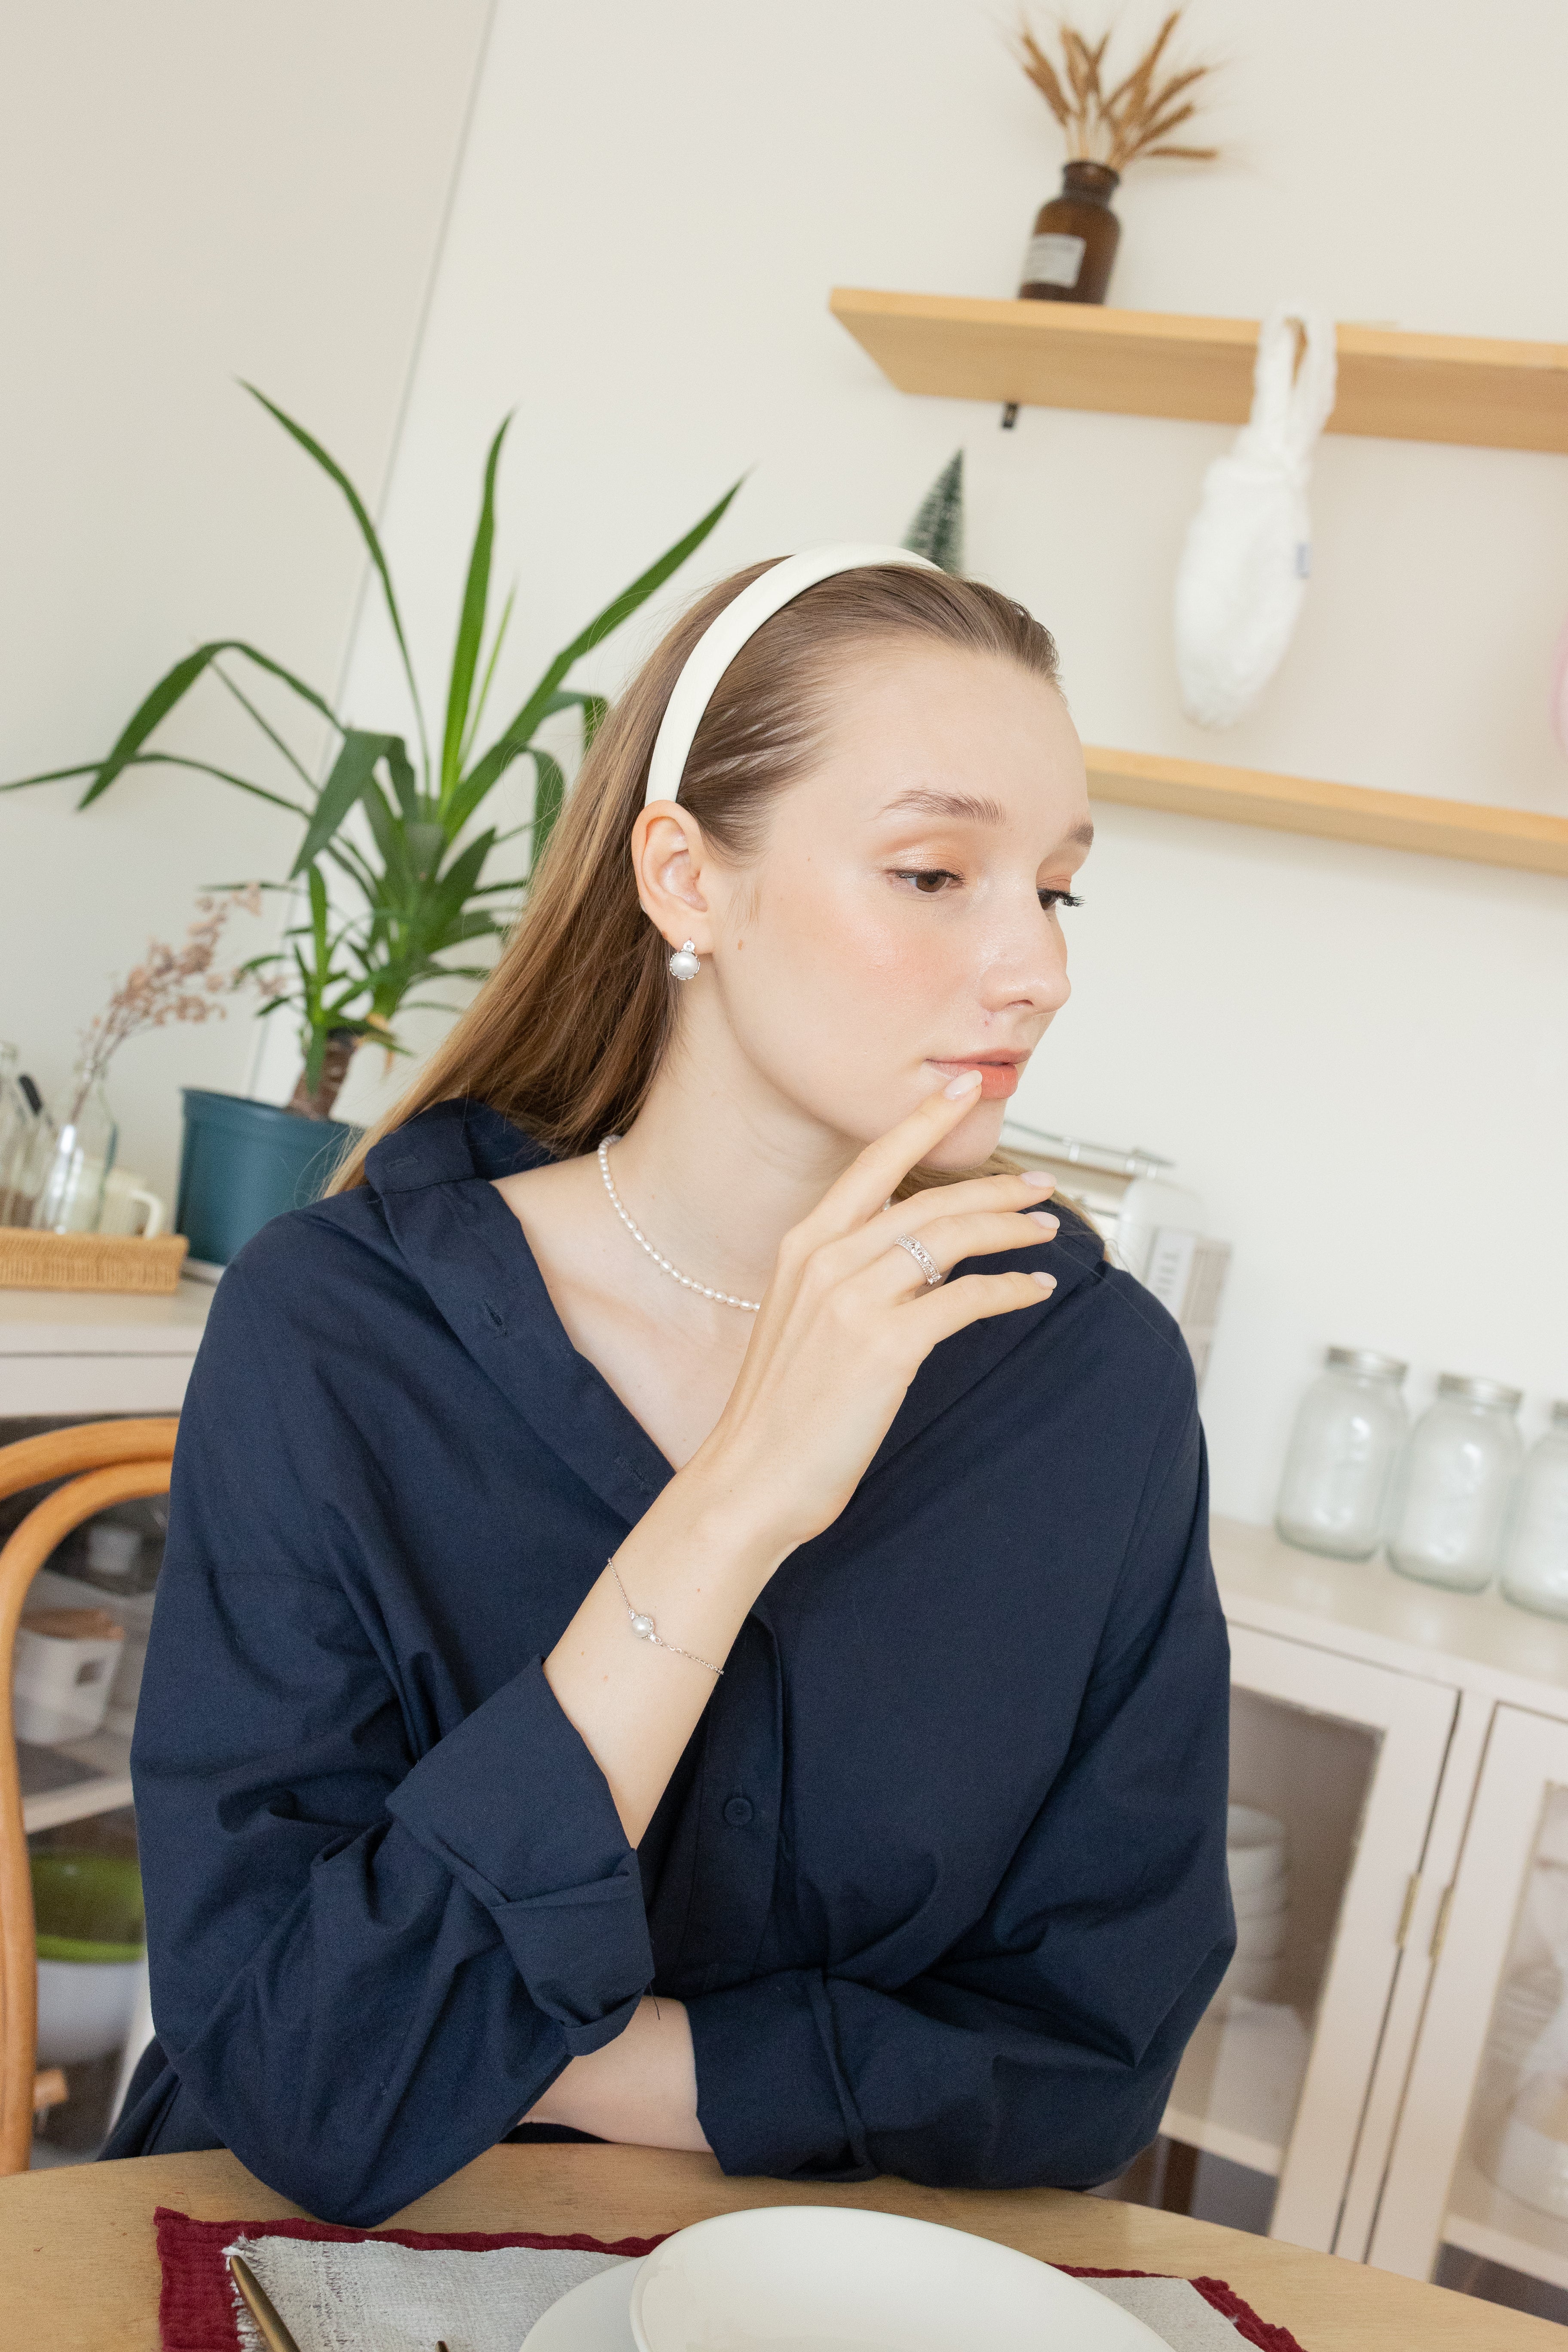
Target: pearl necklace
752 1305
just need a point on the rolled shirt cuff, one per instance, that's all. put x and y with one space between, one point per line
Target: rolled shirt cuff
515 1807
771 2095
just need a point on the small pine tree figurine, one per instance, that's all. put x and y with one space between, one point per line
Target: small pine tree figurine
937 529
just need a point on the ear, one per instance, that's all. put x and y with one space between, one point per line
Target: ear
669 858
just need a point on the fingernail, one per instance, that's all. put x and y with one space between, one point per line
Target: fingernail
964 1084
1045 1281
1037 1183
1046 1225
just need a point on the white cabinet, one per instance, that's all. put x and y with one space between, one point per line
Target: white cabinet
1348 1756
1395 2090
1480 2159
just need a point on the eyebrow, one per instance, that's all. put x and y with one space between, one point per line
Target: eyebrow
967 806
973 809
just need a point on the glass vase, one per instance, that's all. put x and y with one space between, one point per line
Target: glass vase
1075 239
71 1196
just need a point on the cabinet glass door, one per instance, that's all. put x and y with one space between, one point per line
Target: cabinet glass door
1477 2193
1334 1771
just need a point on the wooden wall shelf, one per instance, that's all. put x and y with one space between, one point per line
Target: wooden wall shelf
1456 388
1437 828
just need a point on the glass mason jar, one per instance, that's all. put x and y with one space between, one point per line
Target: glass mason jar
1075 239
1535 1555
1455 1489
71 1196
1348 1432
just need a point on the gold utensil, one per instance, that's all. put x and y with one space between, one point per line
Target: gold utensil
274 2334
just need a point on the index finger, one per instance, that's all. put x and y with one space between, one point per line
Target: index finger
877 1171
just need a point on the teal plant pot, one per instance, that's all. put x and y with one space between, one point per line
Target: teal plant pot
246 1162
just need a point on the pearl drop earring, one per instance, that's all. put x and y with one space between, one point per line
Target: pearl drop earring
685 964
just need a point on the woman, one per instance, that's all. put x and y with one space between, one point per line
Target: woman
675 1627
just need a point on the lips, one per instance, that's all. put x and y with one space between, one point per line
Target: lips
999 1073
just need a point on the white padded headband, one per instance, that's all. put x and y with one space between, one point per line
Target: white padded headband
723 639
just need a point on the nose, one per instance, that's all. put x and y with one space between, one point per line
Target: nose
1027 969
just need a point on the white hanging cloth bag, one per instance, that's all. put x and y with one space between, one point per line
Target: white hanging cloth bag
1247 553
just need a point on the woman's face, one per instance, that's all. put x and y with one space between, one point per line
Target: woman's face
901 924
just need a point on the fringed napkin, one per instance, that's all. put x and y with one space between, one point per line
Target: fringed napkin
405 2290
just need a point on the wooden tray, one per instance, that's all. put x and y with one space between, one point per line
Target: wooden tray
30 1261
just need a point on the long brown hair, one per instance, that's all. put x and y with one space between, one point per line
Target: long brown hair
565 1036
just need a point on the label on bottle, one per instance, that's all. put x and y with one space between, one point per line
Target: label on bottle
1053 261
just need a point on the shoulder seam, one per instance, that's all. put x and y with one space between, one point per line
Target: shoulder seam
1134 1306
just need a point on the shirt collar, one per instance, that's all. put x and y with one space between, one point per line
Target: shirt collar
448 1144
462 1244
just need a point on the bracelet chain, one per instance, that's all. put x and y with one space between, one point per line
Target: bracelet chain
644 1627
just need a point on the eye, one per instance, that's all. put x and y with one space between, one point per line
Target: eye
927 880
1049 898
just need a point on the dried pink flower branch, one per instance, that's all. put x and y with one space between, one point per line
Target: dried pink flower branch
173 985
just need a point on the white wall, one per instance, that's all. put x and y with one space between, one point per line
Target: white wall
191 195
1359 1057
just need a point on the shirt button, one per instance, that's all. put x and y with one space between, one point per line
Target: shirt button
738 1812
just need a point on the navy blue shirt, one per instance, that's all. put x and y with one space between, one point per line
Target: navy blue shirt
940 1876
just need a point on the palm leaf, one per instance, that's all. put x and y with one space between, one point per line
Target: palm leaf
489 770
261 718
171 689
548 792
330 467
164 760
404 783
478 712
471 621
425 846
391 839
516 738
448 894
351 772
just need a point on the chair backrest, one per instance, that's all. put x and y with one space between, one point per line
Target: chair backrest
103 1461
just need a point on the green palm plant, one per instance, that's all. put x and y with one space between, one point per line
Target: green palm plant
418 877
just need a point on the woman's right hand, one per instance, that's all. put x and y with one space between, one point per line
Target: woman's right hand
846 1322
849 1318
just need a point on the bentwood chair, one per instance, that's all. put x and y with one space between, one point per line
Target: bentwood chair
101 1462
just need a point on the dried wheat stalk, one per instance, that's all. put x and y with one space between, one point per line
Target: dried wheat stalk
1118 126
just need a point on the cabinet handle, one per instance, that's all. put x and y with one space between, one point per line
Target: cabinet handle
1411 1892
1440 1924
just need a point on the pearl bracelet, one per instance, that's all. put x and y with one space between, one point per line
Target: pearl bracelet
646 1630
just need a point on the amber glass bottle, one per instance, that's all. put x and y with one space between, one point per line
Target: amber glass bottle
1074 238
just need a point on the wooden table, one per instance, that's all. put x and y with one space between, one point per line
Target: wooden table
78 2271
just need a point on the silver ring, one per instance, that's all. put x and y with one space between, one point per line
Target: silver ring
923 1258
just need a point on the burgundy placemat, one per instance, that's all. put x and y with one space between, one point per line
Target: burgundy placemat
1218 2293
196 2309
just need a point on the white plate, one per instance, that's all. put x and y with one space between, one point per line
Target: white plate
595 2317
822 2278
